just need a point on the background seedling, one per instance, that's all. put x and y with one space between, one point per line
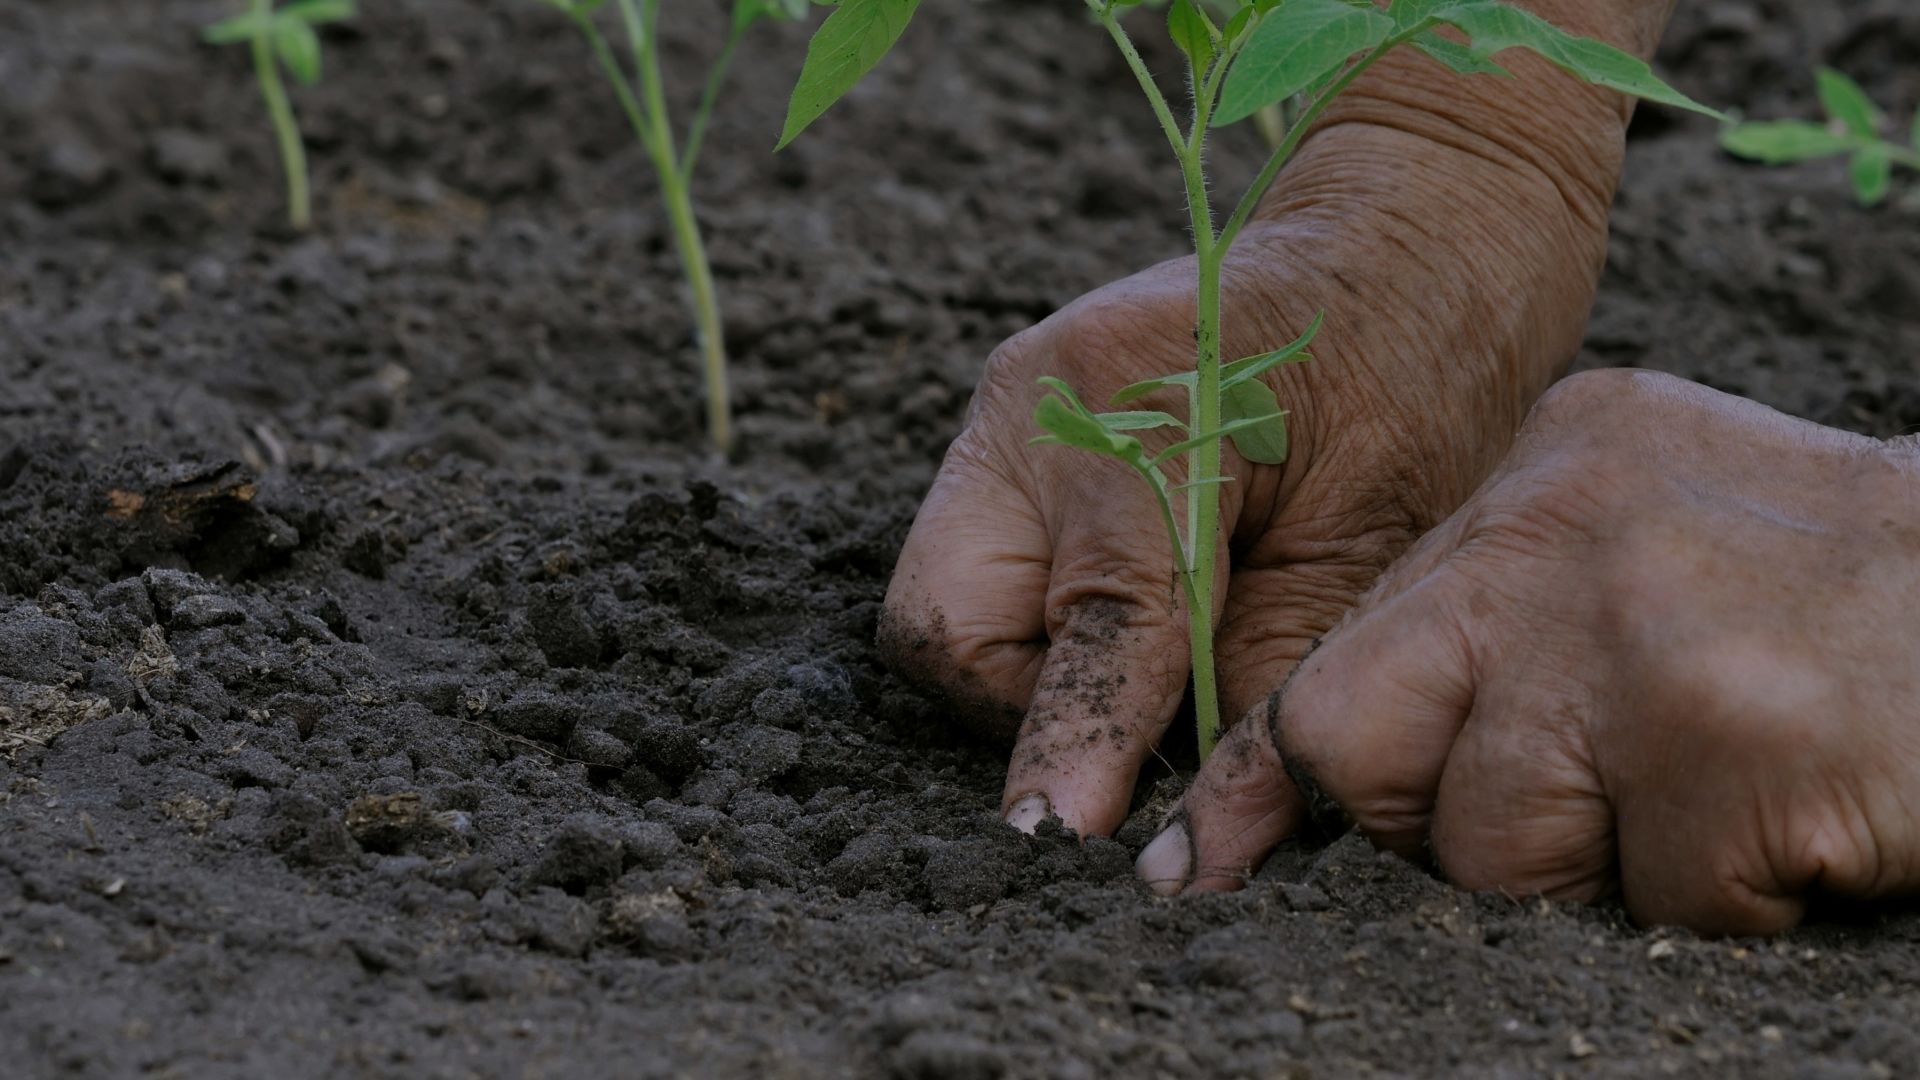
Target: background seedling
1262 53
1852 130
284 38
643 99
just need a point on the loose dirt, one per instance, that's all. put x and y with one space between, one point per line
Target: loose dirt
390 687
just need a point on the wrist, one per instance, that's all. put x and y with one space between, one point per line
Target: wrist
1542 136
1495 257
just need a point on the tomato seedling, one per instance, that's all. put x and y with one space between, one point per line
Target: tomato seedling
284 37
1264 52
643 99
1852 130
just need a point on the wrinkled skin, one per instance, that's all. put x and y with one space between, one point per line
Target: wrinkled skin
1668 650
1036 588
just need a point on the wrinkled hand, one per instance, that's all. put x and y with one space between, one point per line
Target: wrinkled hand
1036 588
1669 648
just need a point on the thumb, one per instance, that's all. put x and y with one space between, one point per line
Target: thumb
1367 721
1364 723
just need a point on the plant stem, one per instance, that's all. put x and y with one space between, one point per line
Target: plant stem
1203 469
706 311
293 154
1203 461
1139 68
650 123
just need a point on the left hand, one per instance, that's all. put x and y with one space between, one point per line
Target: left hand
1668 648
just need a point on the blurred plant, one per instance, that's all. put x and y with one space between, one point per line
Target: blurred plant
1262 53
1852 130
643 99
284 38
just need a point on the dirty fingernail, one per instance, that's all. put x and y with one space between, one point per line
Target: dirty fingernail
1027 814
1167 862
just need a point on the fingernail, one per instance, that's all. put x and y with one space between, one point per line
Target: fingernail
1027 814
1167 863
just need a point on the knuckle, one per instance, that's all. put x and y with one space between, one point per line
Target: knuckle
1741 687
1118 583
1006 381
1622 395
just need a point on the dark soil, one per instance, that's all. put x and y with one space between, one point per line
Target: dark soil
389 687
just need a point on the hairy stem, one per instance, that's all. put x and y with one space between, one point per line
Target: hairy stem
1140 73
293 153
1203 500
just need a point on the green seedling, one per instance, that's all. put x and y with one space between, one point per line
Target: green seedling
643 99
1264 52
284 38
1852 130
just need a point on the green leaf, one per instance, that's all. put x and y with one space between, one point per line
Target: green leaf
315 12
1265 440
299 49
1872 173
1494 27
847 45
1779 142
1847 103
1059 386
1457 57
1134 391
1916 131
1293 352
1232 430
237 29
1138 421
1067 426
1193 32
1296 45
1237 25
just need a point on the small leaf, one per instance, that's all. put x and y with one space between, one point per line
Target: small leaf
1293 352
1872 172
847 45
1779 142
1237 25
299 49
1265 440
1192 31
239 28
1138 421
1076 429
1846 102
1059 386
1457 57
315 12
1185 380
1230 430
1202 483
1495 27
1295 46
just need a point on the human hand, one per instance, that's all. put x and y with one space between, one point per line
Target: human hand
1668 648
1036 587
